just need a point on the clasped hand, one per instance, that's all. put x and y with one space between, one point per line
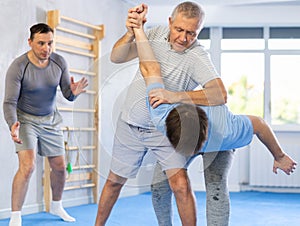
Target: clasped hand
136 17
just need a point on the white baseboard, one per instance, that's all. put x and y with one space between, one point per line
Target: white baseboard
270 189
27 209
36 208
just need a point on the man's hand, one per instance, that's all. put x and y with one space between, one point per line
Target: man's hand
161 96
136 17
15 132
285 163
78 87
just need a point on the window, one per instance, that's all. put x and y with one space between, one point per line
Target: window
284 45
284 38
260 67
285 96
204 37
242 69
242 74
242 38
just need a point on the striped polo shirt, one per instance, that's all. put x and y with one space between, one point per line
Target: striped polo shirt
181 71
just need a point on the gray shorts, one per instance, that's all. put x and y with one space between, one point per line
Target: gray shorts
131 143
41 132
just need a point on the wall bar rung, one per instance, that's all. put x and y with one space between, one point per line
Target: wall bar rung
77 71
79 186
83 167
75 51
81 23
77 110
74 43
93 37
74 148
78 129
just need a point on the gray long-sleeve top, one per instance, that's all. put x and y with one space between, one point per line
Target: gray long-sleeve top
32 89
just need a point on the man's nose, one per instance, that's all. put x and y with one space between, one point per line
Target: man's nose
46 47
183 37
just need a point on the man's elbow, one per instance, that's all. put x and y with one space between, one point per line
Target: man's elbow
225 96
115 59
150 68
219 99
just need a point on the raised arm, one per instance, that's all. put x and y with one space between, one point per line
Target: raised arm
124 49
149 66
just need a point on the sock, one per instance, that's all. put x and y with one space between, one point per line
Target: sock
57 209
15 218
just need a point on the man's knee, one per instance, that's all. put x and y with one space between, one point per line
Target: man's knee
217 166
57 164
179 183
115 182
27 170
161 186
213 177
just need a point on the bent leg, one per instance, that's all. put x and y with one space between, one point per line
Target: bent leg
216 170
108 198
185 199
161 197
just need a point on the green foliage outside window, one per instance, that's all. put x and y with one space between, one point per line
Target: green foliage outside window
243 99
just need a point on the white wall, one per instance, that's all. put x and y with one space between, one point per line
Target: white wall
276 15
16 17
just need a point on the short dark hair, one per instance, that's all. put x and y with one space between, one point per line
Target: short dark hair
186 128
40 28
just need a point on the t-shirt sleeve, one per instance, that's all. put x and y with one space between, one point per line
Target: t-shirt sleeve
12 92
203 70
159 114
65 80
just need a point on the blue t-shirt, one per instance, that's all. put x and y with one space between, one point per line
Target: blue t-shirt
226 131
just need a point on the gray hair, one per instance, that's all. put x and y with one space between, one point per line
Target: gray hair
189 10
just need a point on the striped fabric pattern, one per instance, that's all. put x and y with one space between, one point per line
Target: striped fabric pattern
181 71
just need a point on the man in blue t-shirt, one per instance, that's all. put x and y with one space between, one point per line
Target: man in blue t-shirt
219 128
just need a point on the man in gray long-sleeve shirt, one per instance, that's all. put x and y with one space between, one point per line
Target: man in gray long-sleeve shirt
32 117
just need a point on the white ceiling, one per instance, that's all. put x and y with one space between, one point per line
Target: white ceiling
216 2
231 12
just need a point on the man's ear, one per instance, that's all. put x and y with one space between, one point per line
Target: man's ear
170 21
